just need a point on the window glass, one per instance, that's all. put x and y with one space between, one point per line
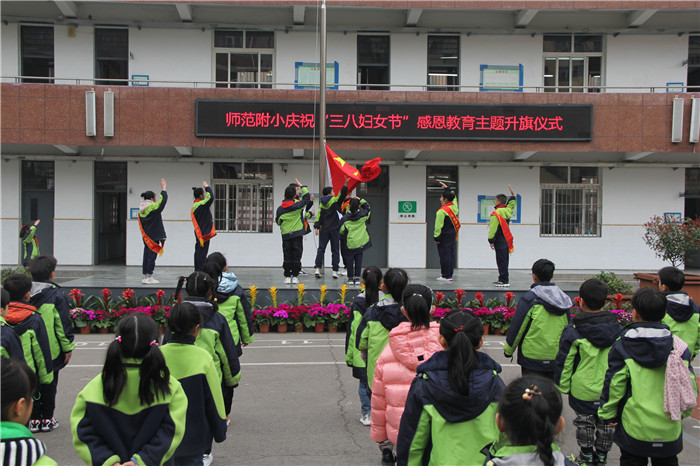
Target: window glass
585 175
228 39
443 62
243 197
37 50
260 40
244 67
694 63
372 62
557 43
592 43
570 201
554 175
112 55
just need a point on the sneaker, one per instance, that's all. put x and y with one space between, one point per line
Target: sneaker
317 272
343 272
388 456
295 281
145 280
228 420
46 425
151 281
303 272
501 284
35 426
207 459
54 423
600 460
365 419
358 281
444 279
584 460
335 274
287 280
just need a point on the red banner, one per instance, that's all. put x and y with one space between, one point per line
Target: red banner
340 170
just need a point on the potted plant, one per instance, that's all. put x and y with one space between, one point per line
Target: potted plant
82 319
263 317
675 243
296 317
280 317
314 317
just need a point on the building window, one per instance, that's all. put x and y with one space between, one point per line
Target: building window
570 203
243 197
112 56
443 63
37 53
573 62
244 58
373 62
694 63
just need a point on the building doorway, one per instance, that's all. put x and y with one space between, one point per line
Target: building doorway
38 201
376 193
692 204
110 213
435 175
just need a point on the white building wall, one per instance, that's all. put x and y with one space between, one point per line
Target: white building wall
304 47
509 50
407 237
74 56
74 211
628 64
10 203
9 37
161 53
408 62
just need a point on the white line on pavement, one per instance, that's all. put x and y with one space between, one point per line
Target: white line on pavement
301 363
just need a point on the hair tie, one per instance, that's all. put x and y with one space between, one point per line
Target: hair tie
530 391
154 343
119 338
459 329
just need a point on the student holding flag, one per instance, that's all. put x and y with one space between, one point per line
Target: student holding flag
500 237
151 225
447 232
203 223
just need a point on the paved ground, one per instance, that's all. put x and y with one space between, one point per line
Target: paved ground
297 404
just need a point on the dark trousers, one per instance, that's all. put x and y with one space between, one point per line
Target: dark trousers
45 399
200 254
291 252
502 259
448 255
323 238
228 398
353 264
592 432
544 375
628 459
149 260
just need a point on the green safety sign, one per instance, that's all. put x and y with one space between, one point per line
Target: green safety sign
408 207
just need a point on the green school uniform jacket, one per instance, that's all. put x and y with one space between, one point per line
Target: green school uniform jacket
30 246
11 345
495 232
114 434
231 307
353 358
445 232
502 453
31 331
582 360
20 448
194 368
374 330
53 307
290 215
683 318
539 320
633 393
353 230
440 426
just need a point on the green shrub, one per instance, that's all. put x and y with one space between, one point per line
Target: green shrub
615 285
6 272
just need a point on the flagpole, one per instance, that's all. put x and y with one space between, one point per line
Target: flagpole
323 160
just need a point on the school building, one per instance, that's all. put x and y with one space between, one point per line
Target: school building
589 109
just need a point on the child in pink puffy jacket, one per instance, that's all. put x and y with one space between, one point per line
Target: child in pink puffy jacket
410 344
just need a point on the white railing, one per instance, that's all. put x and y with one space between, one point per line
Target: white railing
346 86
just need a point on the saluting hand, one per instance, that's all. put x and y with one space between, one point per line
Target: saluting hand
204 184
443 184
163 185
36 222
512 193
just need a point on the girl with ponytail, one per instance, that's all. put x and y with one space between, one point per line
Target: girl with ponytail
215 334
410 344
370 295
454 396
380 319
134 411
529 416
194 367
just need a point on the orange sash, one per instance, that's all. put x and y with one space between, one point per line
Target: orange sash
152 245
506 231
197 231
455 221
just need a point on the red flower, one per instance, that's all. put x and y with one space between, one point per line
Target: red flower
577 300
439 297
127 294
460 296
509 298
159 296
480 297
106 293
76 294
618 301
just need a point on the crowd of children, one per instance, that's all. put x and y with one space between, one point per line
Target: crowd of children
427 391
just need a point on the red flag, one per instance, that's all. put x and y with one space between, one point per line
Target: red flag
340 170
